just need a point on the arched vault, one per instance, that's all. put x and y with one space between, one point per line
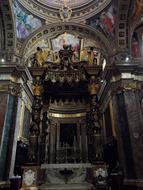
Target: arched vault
49 31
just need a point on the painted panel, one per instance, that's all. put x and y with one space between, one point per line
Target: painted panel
26 23
105 22
66 39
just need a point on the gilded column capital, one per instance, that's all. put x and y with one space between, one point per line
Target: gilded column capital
37 89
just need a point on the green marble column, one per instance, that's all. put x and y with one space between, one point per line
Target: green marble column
128 123
9 117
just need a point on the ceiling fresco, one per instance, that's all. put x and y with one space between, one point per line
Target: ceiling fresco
70 3
105 22
49 9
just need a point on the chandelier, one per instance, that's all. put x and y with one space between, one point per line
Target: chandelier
67 70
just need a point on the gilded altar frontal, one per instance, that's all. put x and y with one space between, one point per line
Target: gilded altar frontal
71 94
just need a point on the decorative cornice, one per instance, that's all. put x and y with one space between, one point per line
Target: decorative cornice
18 75
120 77
10 87
67 106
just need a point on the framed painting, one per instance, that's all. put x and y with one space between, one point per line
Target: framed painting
67 39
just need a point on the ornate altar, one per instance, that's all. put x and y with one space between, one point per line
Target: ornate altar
61 141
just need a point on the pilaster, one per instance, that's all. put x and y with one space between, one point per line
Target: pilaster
122 84
13 80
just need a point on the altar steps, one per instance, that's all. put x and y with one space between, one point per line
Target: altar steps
70 186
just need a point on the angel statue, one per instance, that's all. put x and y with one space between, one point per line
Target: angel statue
41 56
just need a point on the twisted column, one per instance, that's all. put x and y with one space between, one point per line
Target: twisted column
34 126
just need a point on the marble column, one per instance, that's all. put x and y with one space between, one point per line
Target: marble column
8 130
128 123
16 132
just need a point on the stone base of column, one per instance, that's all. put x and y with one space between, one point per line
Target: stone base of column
30 178
78 186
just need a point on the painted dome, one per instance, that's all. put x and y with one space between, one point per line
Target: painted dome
70 3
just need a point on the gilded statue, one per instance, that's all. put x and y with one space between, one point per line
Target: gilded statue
42 56
88 55
84 55
93 86
37 89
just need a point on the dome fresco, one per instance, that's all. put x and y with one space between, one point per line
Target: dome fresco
71 3
75 10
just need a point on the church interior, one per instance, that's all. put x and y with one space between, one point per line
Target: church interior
71 95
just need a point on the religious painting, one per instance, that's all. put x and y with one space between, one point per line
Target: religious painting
26 124
105 22
67 39
135 46
42 43
26 23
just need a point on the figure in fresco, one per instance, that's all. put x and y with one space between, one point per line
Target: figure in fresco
25 23
42 56
104 22
135 47
138 9
107 21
